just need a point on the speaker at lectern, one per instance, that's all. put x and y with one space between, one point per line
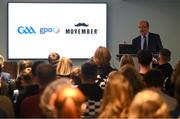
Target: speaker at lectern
126 49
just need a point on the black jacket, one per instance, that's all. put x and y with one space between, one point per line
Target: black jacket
154 43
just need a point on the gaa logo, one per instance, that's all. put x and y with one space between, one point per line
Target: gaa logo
26 30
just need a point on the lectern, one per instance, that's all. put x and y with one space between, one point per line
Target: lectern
126 49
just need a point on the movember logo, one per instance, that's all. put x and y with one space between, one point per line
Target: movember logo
81 24
80 30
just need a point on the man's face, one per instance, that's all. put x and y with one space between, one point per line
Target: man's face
143 28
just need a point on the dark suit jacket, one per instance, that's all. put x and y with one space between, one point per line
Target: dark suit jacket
154 43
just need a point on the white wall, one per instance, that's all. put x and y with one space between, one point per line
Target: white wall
123 15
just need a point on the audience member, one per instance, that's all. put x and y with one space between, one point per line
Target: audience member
166 69
154 81
53 58
134 78
22 64
6 106
144 60
176 79
102 59
69 102
148 104
6 82
47 98
117 97
27 89
30 105
4 75
176 71
64 67
90 89
27 73
126 59
164 65
75 76
153 78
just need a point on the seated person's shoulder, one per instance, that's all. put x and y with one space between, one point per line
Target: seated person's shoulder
5 75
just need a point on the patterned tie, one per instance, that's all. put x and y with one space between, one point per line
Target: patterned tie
145 43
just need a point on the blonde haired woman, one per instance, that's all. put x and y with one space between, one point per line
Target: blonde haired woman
117 97
102 59
64 67
126 59
148 104
102 56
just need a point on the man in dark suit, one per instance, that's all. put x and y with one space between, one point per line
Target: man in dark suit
147 40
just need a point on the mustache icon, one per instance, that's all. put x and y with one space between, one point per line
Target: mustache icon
81 24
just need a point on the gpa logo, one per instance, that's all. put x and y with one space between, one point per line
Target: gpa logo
50 30
26 30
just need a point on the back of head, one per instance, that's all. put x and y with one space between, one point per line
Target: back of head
165 55
148 104
134 78
75 75
126 59
34 67
153 78
117 96
62 100
69 102
64 67
118 86
53 58
45 74
48 96
89 70
144 57
102 56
